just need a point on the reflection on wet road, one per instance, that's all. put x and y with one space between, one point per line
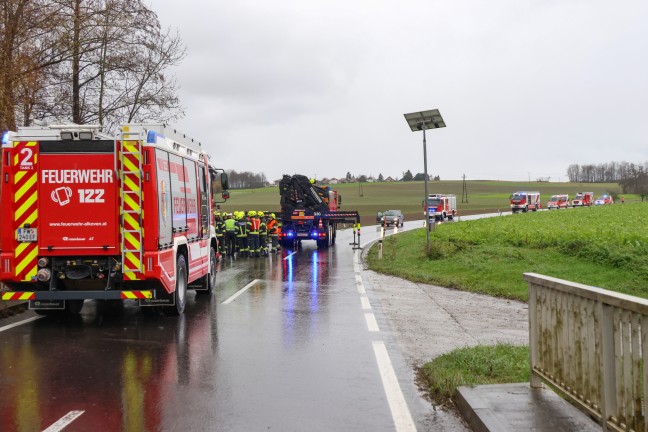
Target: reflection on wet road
283 344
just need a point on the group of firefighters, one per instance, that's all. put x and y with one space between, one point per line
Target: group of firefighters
247 234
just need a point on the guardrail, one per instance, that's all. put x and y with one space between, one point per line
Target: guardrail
590 344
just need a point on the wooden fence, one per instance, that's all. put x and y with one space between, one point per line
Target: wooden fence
590 344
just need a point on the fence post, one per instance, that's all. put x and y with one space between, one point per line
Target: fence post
536 380
379 249
608 377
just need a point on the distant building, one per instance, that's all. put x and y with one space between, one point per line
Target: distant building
390 179
333 181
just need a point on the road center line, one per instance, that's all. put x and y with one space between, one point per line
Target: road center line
397 405
372 324
364 301
241 291
64 421
16 324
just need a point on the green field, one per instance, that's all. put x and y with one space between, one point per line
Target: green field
484 196
603 246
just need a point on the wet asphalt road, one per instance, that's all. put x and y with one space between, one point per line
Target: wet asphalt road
299 349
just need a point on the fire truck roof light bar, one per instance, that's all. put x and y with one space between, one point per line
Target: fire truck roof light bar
155 131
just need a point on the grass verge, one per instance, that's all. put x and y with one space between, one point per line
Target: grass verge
603 247
492 364
606 247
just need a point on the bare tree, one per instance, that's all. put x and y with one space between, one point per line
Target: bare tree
89 61
30 41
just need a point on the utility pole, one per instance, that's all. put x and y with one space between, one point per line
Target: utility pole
464 192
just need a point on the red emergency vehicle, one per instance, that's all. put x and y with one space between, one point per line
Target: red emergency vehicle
89 216
525 201
583 199
558 202
441 206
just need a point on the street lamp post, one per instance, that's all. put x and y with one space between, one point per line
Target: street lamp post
418 121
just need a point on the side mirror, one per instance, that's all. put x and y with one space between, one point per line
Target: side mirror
224 181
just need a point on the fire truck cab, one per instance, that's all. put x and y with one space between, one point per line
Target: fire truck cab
90 216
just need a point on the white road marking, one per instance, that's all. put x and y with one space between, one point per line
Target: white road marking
28 320
289 255
361 289
64 421
241 291
399 410
372 324
364 301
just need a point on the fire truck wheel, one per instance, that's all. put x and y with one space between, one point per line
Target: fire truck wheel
180 293
209 280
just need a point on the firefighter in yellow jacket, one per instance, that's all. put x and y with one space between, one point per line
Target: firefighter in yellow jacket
263 234
253 224
242 235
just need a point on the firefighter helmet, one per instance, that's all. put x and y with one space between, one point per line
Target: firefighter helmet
260 214
251 213
272 216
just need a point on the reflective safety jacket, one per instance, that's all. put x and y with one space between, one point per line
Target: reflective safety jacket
220 228
253 225
273 227
230 225
241 229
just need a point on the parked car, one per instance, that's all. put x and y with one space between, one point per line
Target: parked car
604 200
393 217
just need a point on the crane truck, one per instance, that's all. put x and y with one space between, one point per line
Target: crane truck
86 215
310 212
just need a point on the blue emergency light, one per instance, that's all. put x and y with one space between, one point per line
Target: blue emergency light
151 137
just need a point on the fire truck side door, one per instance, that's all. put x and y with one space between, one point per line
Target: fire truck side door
204 200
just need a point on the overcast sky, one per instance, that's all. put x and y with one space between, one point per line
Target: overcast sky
319 88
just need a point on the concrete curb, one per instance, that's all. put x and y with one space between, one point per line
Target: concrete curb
517 407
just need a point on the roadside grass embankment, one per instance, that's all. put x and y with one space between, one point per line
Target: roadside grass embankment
606 247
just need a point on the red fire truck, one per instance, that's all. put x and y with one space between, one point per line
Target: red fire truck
441 206
583 199
89 216
525 201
